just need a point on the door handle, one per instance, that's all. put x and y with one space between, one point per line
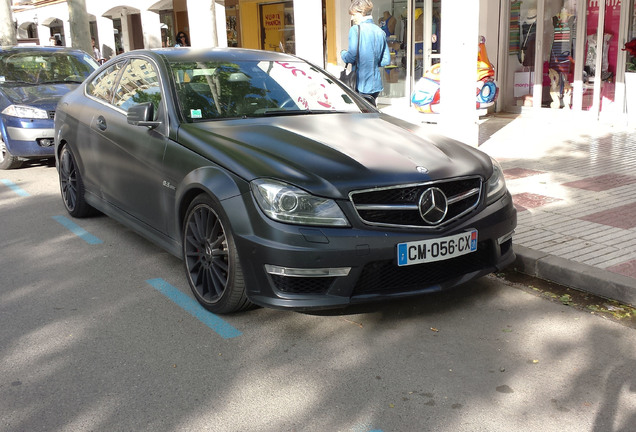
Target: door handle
101 123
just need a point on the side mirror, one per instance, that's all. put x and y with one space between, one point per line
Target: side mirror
142 115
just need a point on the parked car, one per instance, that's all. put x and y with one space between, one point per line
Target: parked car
32 80
276 184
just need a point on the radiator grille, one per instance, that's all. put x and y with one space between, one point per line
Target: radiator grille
399 205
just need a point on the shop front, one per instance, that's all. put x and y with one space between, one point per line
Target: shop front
568 55
565 55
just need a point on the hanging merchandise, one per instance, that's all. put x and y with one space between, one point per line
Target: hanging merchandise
528 39
561 52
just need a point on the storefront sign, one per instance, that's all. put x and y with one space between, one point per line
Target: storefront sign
273 22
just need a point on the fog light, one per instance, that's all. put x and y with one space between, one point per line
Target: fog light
45 142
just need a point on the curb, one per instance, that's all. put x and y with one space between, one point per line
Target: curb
575 275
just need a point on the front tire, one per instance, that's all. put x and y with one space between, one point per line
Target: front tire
72 186
7 160
211 259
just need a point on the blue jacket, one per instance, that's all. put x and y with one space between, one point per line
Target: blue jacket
374 52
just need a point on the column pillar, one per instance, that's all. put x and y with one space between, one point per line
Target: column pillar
125 33
460 39
308 31
106 36
206 20
151 25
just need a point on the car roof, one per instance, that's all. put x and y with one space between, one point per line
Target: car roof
213 54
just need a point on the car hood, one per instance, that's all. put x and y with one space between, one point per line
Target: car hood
332 154
45 96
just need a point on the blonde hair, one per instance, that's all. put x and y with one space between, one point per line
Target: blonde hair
361 6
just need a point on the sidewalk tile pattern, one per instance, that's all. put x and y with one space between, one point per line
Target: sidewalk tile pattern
574 188
602 183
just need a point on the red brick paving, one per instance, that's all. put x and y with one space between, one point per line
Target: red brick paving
602 183
515 173
626 269
524 201
619 217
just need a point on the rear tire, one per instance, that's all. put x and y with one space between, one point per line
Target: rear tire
211 259
7 160
72 186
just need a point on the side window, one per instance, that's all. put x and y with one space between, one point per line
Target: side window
139 83
102 85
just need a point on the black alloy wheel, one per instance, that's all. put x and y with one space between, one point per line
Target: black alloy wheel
71 185
211 260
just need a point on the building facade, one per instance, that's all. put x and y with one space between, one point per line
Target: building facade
558 55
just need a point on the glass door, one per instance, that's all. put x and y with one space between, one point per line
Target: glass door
601 56
560 35
630 65
426 36
392 18
524 33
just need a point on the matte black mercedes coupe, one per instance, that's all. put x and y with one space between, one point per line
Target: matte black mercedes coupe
276 184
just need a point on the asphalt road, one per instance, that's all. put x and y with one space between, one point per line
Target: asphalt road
98 332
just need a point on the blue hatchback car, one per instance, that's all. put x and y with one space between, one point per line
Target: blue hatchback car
32 81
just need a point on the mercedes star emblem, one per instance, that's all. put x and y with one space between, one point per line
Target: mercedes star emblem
433 205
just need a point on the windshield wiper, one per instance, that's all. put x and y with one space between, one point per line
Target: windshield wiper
61 82
277 112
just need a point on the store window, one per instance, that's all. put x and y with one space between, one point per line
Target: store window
277 27
550 39
601 54
392 17
232 23
549 44
630 67
630 46
414 57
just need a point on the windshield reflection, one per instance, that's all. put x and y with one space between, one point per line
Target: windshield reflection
219 90
36 67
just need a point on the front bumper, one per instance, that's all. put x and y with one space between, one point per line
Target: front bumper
28 138
287 266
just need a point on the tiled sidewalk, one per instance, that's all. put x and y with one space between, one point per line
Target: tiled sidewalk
574 185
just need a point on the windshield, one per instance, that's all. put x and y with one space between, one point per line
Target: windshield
218 90
37 67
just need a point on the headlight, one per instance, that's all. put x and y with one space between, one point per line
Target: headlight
24 111
286 203
496 186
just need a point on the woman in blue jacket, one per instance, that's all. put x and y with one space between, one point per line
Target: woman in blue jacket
373 49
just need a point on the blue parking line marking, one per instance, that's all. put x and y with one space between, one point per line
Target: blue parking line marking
15 188
77 230
365 428
225 330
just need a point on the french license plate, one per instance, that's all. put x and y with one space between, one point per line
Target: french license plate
438 249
